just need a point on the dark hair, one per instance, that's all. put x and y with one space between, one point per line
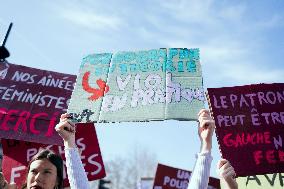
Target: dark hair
55 159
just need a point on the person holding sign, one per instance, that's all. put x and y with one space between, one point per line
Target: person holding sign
45 170
200 175
227 174
201 172
75 170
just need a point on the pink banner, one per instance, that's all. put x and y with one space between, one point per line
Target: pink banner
173 178
17 154
250 126
31 102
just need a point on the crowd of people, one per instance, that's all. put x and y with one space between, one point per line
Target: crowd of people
45 170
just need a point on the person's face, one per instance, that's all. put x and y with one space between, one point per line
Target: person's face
42 175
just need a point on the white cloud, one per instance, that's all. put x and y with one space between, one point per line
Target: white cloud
145 33
219 29
88 16
230 61
227 52
250 74
236 64
233 13
190 10
92 20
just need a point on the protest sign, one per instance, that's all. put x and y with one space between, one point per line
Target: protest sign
174 178
250 126
138 86
17 154
267 181
31 102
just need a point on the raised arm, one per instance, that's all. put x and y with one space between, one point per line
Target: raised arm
227 174
75 170
201 172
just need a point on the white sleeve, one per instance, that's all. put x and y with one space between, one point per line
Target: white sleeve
76 173
200 175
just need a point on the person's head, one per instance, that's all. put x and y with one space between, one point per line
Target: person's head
45 171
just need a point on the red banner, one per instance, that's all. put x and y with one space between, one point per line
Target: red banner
17 154
173 178
31 102
250 126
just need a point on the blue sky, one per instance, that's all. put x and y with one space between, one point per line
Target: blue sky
241 42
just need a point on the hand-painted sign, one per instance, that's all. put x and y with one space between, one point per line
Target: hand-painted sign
250 126
31 102
173 178
270 181
17 154
138 86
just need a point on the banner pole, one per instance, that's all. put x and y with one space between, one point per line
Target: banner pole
4 53
7 34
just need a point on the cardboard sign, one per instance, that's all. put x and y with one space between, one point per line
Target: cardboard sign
31 102
17 154
173 178
250 126
267 181
138 86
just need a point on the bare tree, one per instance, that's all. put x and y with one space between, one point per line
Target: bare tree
116 172
126 172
